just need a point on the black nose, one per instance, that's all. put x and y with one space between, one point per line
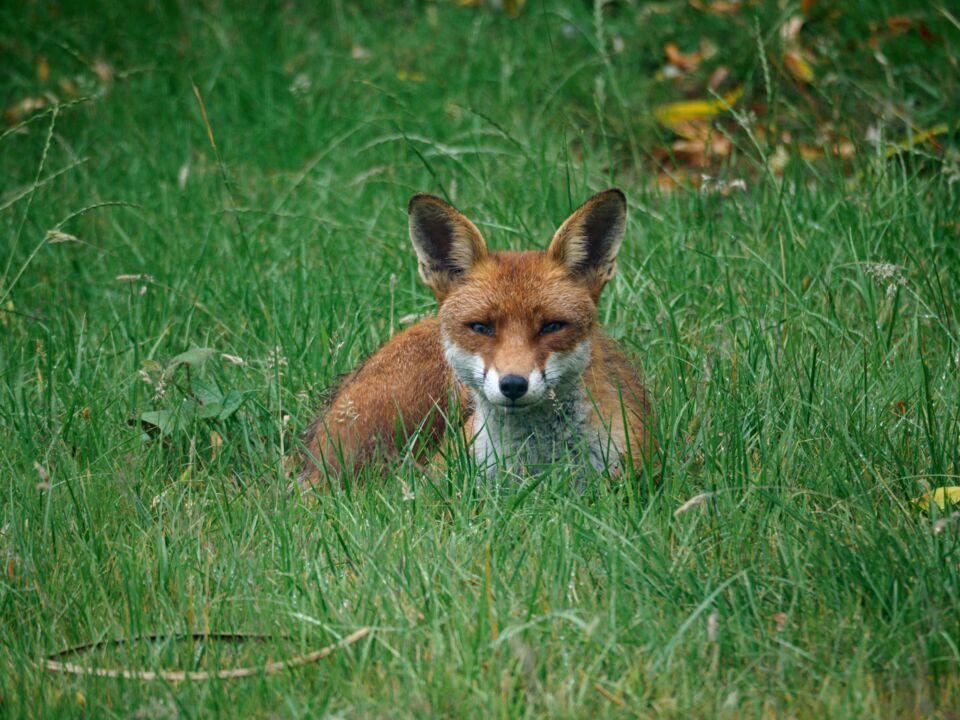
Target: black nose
513 386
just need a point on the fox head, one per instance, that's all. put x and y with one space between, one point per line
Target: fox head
517 326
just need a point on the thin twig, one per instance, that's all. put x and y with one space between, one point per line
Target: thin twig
180 675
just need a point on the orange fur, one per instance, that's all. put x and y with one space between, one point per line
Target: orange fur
527 315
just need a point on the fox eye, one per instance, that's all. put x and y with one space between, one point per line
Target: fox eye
552 327
481 328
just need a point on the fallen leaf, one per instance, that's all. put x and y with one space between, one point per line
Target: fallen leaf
720 7
43 69
699 152
778 159
14 113
672 113
103 71
798 66
918 138
790 30
68 87
899 24
513 7
216 442
717 77
941 496
44 483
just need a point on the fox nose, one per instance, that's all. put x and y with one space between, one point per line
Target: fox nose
513 386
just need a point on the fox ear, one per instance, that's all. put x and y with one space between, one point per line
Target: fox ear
447 244
588 241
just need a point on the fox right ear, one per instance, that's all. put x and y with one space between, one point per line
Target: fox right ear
587 242
447 244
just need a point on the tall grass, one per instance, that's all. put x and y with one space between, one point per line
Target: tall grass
800 339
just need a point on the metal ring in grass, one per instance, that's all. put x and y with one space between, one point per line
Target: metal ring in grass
53 663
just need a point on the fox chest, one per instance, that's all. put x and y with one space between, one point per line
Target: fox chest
568 432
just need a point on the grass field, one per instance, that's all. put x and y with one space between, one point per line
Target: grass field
799 331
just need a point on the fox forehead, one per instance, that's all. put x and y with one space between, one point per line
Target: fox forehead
519 287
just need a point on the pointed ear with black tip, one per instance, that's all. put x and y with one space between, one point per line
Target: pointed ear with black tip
447 244
587 242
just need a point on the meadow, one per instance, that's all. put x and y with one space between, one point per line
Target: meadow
203 216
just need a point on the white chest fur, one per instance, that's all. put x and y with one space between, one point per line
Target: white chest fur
560 430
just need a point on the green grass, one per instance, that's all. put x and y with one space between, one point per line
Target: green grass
808 396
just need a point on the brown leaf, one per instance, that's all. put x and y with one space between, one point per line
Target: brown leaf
68 87
104 71
899 24
216 442
721 7
790 30
43 69
798 66
717 77
13 114
699 152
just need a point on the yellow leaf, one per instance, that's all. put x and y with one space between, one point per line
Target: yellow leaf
216 442
673 113
940 496
43 69
917 138
798 66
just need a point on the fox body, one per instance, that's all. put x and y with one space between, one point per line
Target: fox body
514 357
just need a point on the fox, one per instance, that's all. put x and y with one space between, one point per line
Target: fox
514 359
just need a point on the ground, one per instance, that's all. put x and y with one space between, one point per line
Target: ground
203 213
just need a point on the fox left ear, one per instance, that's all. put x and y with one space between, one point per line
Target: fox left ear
588 241
448 245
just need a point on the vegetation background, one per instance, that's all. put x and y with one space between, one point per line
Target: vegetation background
202 212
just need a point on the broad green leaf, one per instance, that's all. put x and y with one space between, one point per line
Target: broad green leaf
194 358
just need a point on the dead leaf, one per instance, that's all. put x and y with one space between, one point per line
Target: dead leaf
780 619
798 66
44 483
43 69
216 442
689 62
672 113
778 159
717 77
720 7
899 24
13 114
918 138
104 71
68 87
513 7
790 30
941 496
